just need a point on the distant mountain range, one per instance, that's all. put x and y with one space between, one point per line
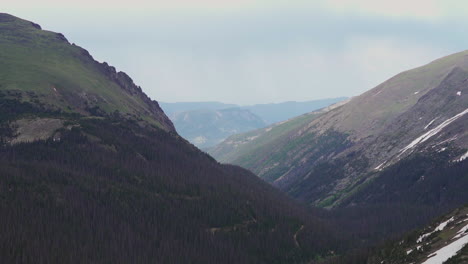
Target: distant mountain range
171 108
206 128
270 113
206 124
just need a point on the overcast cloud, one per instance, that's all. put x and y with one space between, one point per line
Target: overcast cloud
259 51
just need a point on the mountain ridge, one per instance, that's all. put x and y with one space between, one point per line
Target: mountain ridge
329 156
51 72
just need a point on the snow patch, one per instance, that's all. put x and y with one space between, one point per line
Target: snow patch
442 150
432 132
440 227
422 237
409 251
459 93
461 232
416 92
430 123
444 224
380 166
462 158
443 254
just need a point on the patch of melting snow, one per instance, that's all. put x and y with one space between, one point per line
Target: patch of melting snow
380 166
442 150
459 93
416 92
440 227
422 237
432 132
461 232
430 123
409 251
444 224
443 254
462 158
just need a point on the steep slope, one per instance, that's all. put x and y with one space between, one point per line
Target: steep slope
43 68
92 171
242 147
206 128
444 241
417 119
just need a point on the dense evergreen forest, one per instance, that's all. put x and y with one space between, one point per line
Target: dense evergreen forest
111 191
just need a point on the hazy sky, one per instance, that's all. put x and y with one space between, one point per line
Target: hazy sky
256 51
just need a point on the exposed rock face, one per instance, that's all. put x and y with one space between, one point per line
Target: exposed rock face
127 84
30 130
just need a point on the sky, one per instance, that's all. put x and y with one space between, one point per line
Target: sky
256 51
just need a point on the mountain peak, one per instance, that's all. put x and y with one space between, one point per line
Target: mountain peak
43 68
6 19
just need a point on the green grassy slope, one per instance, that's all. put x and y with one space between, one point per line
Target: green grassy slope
42 67
247 146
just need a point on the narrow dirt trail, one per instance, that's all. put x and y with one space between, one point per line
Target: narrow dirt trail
295 236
